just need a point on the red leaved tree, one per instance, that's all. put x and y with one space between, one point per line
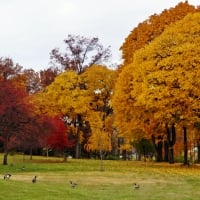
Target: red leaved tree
15 113
58 138
34 134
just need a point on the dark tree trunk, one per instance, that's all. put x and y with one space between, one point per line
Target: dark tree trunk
159 152
78 145
198 153
185 146
158 148
139 156
65 157
5 158
171 155
171 138
166 148
79 127
124 155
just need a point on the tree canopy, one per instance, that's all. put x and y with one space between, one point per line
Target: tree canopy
80 52
155 91
15 113
151 28
163 78
86 95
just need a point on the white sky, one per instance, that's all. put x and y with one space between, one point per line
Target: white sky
30 29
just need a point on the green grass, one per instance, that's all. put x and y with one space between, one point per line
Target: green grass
158 181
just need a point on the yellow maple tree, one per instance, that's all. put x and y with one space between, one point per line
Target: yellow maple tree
151 28
99 81
162 80
85 97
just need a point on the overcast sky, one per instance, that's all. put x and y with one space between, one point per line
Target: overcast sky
30 29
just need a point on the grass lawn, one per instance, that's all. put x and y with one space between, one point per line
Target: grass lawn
157 180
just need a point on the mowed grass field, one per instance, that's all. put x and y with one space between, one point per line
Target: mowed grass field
157 180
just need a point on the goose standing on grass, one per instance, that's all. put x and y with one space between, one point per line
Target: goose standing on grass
34 180
136 186
7 176
72 184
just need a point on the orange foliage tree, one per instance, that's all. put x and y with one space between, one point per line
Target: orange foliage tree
163 79
151 28
80 98
99 81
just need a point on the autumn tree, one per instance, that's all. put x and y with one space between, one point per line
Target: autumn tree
58 138
80 52
48 75
14 113
36 81
99 81
31 80
77 97
163 78
122 102
9 70
151 28
66 96
34 135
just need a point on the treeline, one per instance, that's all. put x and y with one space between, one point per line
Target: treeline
80 106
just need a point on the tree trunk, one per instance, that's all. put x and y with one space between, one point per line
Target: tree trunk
138 156
158 148
47 152
65 157
166 148
124 155
101 160
171 138
77 153
185 146
171 155
159 151
5 158
79 128
31 154
198 153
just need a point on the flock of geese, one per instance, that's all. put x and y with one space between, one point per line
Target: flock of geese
8 176
71 183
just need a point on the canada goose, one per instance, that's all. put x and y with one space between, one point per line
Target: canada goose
72 184
136 186
34 179
7 176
